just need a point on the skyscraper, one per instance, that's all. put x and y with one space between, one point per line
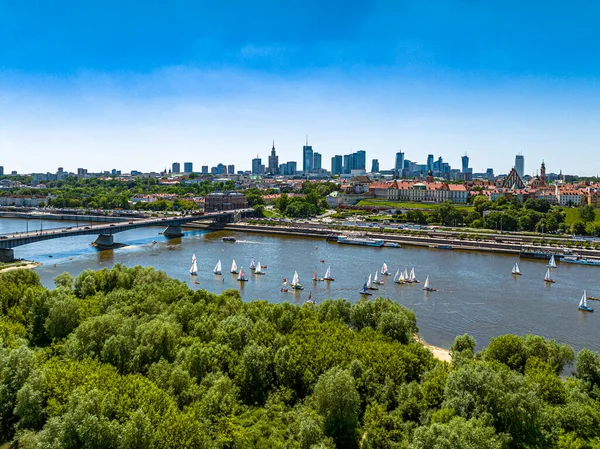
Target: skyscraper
375 166
348 164
361 160
188 167
257 167
465 164
399 166
520 165
205 169
336 165
273 161
231 169
316 161
176 168
430 162
307 158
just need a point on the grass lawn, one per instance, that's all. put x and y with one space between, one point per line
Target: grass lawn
401 205
572 215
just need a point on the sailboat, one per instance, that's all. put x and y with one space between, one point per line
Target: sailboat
242 276
315 278
258 269
217 269
384 269
194 267
401 279
583 304
377 281
516 270
370 284
547 277
234 269
406 278
296 285
284 286
252 264
328 274
426 286
365 290
552 263
310 300
397 275
412 278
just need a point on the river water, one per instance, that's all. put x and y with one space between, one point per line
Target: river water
476 292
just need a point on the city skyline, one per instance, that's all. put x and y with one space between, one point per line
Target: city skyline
467 77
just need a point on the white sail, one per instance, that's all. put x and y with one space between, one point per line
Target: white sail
194 268
369 284
295 279
426 286
233 267
217 269
402 278
242 274
552 263
384 268
412 275
397 275
252 264
547 277
583 301
375 279
258 268
328 272
515 269
405 273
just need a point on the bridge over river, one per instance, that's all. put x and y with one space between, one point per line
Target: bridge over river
106 231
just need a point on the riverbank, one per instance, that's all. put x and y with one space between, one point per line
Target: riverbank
439 353
22 264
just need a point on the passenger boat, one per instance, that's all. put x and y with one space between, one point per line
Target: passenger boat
384 270
327 276
217 269
547 278
194 267
444 246
536 254
426 286
228 239
365 290
295 284
363 241
552 263
252 264
392 245
234 269
581 261
370 285
242 276
516 270
583 304
258 270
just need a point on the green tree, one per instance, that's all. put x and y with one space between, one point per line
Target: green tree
481 203
63 317
458 434
338 403
586 213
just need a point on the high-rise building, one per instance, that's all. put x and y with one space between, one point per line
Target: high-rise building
256 165
399 161
188 167
430 162
336 165
520 165
348 164
231 169
489 174
317 164
288 169
273 161
221 169
375 166
176 168
361 160
205 169
307 158
465 163
1 171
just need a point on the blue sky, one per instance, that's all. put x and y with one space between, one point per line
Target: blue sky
138 85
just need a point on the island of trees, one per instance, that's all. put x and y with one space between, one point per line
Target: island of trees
130 358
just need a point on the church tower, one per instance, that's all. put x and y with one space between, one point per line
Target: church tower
543 174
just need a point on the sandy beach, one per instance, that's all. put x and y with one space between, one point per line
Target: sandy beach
439 353
27 266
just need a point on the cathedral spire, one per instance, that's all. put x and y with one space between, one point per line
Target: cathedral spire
273 145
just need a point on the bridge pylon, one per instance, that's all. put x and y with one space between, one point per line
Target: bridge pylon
173 231
104 241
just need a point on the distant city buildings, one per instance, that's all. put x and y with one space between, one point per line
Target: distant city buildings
520 164
188 167
1 171
375 166
317 164
176 167
205 169
273 161
257 167
336 165
307 158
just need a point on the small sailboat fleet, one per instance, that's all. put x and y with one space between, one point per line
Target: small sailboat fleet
194 267
583 304
217 270
516 270
234 269
370 285
242 276
547 278
552 263
399 278
412 279
426 286
295 284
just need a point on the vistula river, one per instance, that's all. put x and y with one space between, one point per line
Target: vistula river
476 292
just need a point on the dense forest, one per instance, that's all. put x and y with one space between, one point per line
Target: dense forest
130 358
